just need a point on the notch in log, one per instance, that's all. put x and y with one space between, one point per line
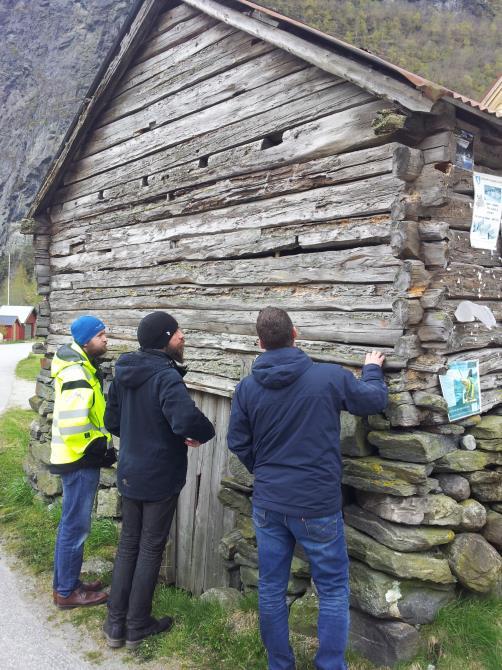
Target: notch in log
432 231
405 240
437 327
433 298
412 278
407 312
407 163
435 254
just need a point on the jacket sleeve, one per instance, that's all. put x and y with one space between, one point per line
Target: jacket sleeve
240 436
75 401
180 411
112 411
367 395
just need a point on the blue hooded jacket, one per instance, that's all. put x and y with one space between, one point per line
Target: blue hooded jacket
150 409
285 428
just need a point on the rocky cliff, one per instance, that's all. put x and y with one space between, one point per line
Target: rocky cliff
50 51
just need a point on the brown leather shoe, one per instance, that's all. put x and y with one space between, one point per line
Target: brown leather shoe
81 598
97 585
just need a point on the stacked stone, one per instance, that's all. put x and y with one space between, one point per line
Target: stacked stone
238 547
423 519
36 463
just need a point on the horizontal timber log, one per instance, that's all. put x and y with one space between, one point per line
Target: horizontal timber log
288 90
378 328
210 33
457 212
184 31
442 148
450 306
218 190
433 231
318 205
342 234
360 266
438 299
439 331
491 399
435 254
342 297
328 352
328 60
218 50
490 360
172 17
328 123
461 251
246 77
413 279
439 148
469 282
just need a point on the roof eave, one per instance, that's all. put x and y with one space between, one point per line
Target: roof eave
427 88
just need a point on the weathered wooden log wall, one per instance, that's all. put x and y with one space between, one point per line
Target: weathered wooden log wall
225 175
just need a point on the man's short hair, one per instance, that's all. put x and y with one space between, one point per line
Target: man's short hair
274 328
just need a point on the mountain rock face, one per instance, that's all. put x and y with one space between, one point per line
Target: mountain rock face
50 52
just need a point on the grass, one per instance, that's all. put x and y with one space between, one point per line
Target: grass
29 367
27 523
467 634
206 634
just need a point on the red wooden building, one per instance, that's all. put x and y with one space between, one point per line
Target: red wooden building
10 328
26 318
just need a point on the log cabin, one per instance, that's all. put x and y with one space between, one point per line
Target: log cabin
227 158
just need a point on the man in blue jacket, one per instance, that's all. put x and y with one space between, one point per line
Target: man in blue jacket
150 409
285 428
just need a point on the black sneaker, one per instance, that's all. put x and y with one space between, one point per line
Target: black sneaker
135 637
114 634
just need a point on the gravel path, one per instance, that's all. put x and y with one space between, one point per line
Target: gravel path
29 641
10 355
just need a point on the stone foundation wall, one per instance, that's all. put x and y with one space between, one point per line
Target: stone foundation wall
423 519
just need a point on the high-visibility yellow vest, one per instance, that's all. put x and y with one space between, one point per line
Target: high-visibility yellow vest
79 405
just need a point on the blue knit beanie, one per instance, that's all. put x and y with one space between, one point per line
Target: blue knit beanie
85 328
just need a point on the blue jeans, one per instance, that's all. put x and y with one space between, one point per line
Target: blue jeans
324 542
79 490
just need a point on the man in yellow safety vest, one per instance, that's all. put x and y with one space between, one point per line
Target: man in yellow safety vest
80 446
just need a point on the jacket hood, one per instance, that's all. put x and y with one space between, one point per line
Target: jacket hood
280 367
69 354
135 368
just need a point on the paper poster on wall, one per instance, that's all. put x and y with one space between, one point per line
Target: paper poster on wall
461 389
464 156
487 211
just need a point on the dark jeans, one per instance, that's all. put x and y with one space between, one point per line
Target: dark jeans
145 529
324 542
79 490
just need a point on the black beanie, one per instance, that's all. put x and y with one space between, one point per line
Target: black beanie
156 329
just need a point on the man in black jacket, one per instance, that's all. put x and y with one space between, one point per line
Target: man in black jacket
151 411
